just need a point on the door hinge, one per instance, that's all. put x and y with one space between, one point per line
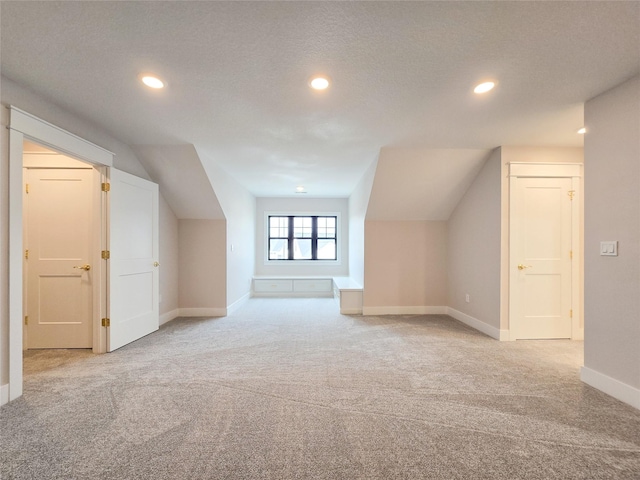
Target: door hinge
26 319
26 254
571 313
106 254
571 254
106 187
26 188
106 322
571 193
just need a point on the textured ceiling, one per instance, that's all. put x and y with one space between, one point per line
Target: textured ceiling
403 73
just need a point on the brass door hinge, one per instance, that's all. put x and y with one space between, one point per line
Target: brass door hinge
571 313
26 254
571 194
106 254
26 188
106 322
571 254
26 319
106 187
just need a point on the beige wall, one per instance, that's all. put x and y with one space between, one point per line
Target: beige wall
405 264
474 247
202 267
612 212
169 262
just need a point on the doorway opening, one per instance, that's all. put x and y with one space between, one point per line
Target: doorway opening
62 236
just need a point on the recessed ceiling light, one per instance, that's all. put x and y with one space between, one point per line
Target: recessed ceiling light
300 189
151 81
320 82
582 131
484 87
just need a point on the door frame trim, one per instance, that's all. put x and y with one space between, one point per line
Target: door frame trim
557 170
23 125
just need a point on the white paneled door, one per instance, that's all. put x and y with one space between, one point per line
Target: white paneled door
133 263
541 256
58 238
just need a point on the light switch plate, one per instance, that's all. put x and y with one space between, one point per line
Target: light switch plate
609 248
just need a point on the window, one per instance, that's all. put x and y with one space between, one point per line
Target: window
302 237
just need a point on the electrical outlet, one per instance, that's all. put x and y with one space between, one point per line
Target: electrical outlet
467 298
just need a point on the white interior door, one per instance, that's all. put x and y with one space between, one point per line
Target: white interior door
540 263
58 236
133 263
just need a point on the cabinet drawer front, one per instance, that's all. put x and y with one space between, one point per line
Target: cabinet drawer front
273 285
323 285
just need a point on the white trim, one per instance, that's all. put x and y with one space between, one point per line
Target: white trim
15 264
55 137
479 325
168 316
24 125
350 311
4 394
238 303
531 169
203 312
617 389
417 310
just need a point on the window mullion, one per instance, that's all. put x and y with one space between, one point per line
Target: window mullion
290 238
314 238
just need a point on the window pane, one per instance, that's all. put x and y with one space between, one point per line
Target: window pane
326 249
279 227
302 227
326 227
301 249
278 249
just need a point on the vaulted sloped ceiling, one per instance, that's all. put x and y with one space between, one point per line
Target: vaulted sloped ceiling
183 182
422 184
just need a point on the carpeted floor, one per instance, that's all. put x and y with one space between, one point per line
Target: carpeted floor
293 390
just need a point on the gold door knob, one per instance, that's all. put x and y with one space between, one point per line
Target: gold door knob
156 264
84 267
522 267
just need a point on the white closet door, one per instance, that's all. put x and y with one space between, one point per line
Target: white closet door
133 264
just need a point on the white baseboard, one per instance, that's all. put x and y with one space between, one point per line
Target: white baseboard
203 312
479 325
623 392
4 394
168 316
238 303
351 311
418 310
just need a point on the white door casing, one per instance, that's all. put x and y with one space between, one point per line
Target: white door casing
543 242
133 262
60 216
23 125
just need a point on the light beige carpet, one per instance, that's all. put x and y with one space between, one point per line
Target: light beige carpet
293 390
